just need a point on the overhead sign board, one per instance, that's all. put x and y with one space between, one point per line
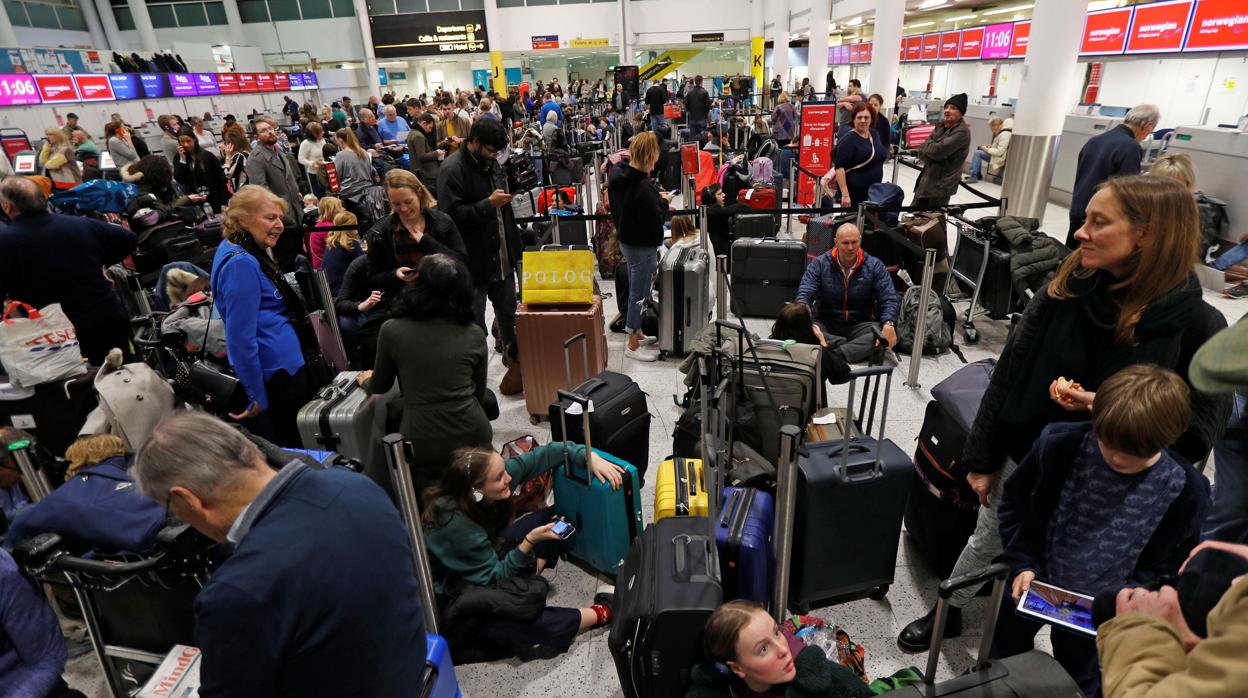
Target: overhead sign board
1022 37
997 38
429 33
949 43
1161 26
18 90
597 42
56 88
545 42
1218 25
972 44
931 47
94 87
1105 32
708 38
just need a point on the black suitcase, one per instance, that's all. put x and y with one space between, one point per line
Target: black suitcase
851 495
667 588
669 174
942 509
619 424
753 225
996 292
1024 675
766 273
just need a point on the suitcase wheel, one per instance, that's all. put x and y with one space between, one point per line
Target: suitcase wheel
878 593
534 420
971 334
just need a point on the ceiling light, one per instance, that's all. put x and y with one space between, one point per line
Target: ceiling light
1004 10
916 25
1103 5
959 18
933 4
854 22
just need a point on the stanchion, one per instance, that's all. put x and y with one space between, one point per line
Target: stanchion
409 508
920 320
896 164
33 478
862 216
788 219
1004 208
721 287
786 499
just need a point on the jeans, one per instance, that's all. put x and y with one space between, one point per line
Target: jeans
1228 516
696 127
854 340
977 161
502 293
984 545
642 261
657 120
1233 256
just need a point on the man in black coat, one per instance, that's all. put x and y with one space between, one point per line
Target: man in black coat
697 107
1111 154
656 97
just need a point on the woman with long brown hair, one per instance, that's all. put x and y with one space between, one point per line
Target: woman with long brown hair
352 164
1127 296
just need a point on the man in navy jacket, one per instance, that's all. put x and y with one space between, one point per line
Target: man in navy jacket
1112 154
319 598
849 292
49 258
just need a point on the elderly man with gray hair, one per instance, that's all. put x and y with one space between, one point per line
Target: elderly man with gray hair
319 598
393 128
1112 154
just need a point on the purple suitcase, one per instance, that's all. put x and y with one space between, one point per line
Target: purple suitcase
743 533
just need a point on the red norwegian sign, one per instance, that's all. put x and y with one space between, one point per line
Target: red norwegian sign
1160 27
914 48
949 43
1106 32
1022 37
1218 25
814 152
972 44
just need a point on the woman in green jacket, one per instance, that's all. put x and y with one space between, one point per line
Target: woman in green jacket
472 539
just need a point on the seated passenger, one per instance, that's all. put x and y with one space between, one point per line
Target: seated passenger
32 651
1096 506
851 294
1179 167
320 579
795 323
994 153
751 655
473 542
13 497
720 214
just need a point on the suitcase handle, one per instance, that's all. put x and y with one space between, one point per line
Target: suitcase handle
680 549
567 357
855 473
563 421
998 573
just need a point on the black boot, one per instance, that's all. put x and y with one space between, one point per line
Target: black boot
917 637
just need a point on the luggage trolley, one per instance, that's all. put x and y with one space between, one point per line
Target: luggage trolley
136 607
966 270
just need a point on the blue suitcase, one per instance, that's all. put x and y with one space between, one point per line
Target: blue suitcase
325 458
606 520
440 679
743 535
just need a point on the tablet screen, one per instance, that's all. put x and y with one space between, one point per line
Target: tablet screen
1058 606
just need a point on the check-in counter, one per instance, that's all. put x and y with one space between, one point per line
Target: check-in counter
1220 156
1079 129
977 117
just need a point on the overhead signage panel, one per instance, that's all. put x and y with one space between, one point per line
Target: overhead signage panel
429 33
1218 25
1160 27
1105 33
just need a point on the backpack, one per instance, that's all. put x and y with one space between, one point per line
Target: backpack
1214 222
941 317
767 149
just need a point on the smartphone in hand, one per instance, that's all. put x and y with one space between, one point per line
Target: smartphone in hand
563 529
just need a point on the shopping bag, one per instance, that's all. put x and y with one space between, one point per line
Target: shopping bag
558 276
39 348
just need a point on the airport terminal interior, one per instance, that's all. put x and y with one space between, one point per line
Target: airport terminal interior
843 278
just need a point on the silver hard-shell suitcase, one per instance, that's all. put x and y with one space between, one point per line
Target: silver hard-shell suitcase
684 298
343 418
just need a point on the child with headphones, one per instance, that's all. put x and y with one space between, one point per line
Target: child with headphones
486 566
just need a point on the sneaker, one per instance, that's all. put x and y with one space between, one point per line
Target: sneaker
617 325
605 595
642 353
649 341
1239 290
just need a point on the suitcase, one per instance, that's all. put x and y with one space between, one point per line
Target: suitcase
606 520
1024 675
766 273
680 489
667 588
439 681
669 173
620 421
54 413
540 332
821 233
759 196
753 225
939 515
684 298
743 533
850 498
918 134
345 419
209 232
996 292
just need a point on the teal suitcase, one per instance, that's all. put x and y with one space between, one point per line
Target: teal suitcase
606 520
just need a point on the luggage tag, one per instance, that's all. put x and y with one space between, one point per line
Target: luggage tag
575 408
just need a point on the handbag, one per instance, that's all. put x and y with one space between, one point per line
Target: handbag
216 387
39 348
555 275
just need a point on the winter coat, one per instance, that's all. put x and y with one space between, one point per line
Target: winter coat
464 188
636 206
943 155
870 295
1035 256
1000 145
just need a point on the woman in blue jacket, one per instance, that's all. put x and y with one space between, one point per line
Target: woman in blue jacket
258 306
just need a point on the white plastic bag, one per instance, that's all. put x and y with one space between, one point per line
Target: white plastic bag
39 348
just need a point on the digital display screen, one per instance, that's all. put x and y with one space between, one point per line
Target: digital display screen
182 84
281 81
296 81
18 90
914 48
247 82
206 84
429 33
949 43
1022 37
997 41
56 88
310 82
1218 25
227 83
1159 27
264 82
972 43
155 86
931 47
1105 33
1058 606
126 85
94 87
855 53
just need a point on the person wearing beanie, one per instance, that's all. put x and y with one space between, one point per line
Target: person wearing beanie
942 155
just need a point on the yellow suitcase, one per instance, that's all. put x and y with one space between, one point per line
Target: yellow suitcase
681 489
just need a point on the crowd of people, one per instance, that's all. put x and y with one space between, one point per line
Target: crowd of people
1114 386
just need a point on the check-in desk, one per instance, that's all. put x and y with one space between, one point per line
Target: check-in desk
1220 156
1079 129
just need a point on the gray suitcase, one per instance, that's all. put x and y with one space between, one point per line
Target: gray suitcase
766 274
684 298
345 419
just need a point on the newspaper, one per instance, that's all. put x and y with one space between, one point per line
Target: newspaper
177 676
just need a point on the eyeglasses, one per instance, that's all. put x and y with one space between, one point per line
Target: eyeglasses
169 502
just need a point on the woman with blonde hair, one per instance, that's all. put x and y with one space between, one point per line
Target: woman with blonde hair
327 208
264 317
88 450
58 160
1128 296
1213 220
341 248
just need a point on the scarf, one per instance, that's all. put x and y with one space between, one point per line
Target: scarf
296 310
1081 344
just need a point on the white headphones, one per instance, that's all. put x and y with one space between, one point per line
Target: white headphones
477 495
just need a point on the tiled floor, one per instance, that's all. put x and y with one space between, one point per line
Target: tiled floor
587 669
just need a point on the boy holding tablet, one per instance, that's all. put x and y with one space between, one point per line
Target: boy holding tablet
1095 506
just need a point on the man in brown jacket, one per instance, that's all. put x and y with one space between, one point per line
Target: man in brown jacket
1147 649
943 154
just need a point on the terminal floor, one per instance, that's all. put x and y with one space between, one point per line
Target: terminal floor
587 670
